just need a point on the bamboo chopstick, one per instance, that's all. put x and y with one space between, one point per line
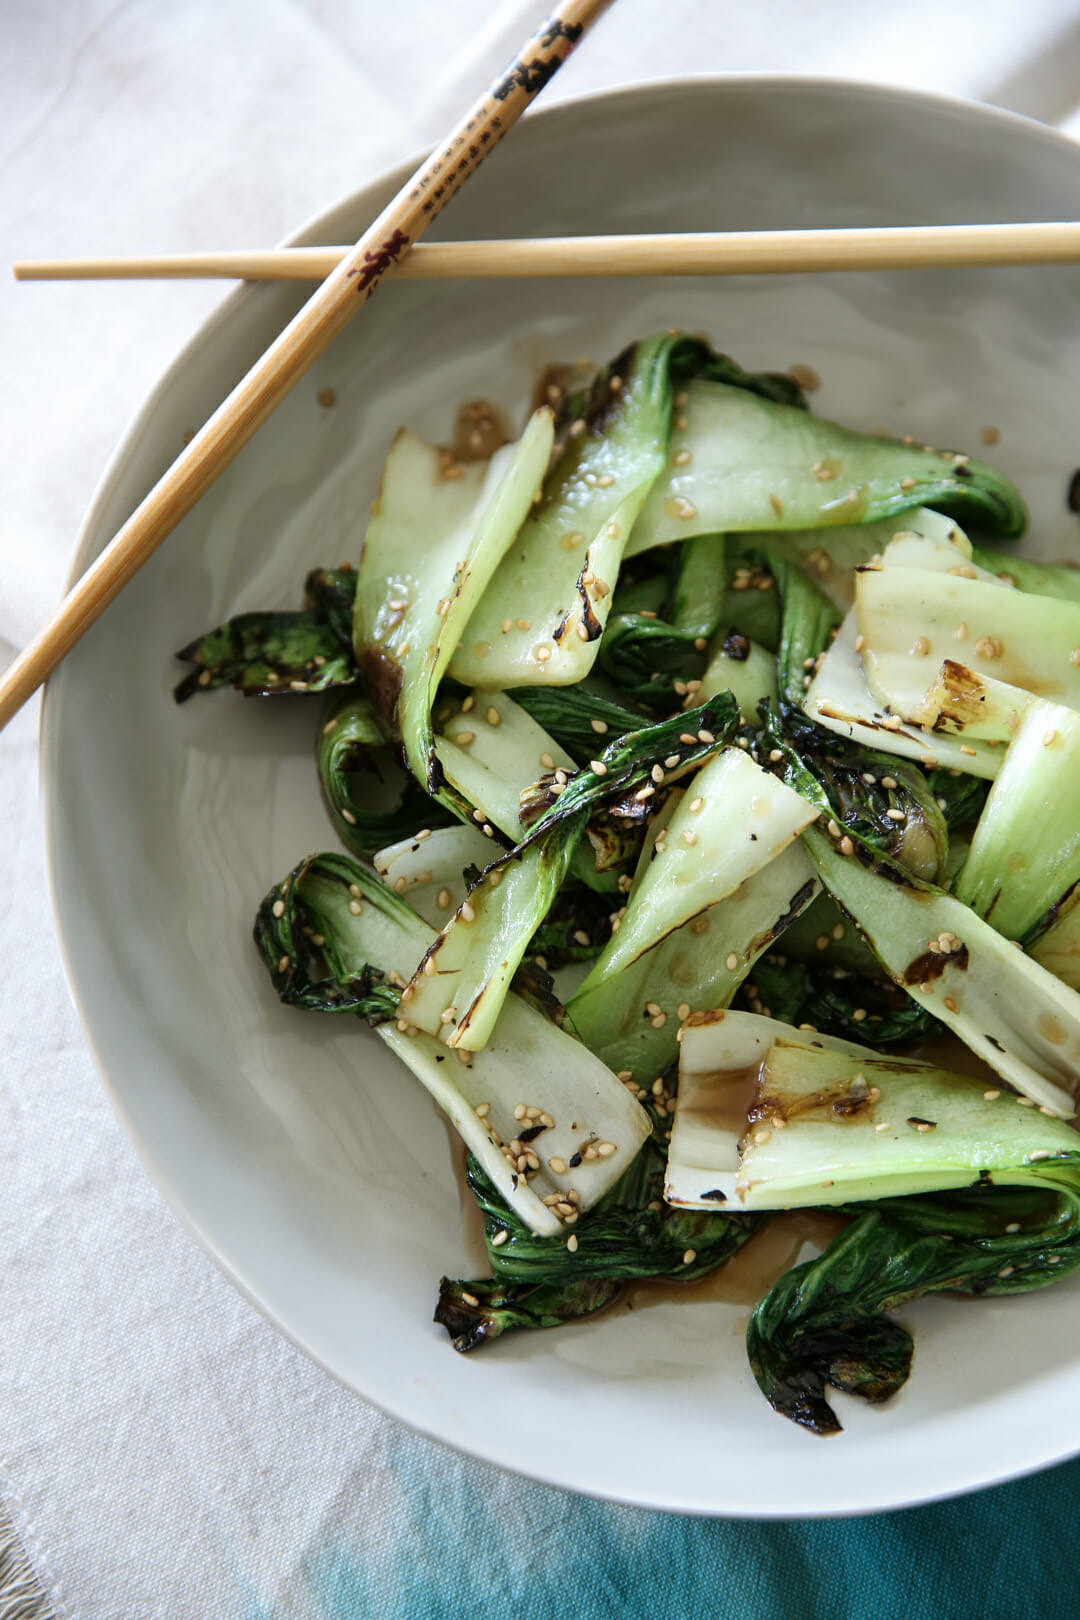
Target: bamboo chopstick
291 354
886 247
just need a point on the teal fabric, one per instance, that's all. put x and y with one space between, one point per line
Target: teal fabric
458 1539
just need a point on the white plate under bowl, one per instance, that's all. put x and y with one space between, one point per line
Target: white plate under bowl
307 1161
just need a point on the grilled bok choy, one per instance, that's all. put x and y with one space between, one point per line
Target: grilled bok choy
696 769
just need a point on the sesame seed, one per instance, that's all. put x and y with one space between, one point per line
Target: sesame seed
469 1299
657 774
347 815
581 936
467 912
500 1238
429 968
283 965
644 793
1013 1226
624 1075
846 846
442 899
571 1243
683 1011
964 749
950 1005
659 1021
399 885
547 762
884 1126
681 458
731 961
896 815
960 633
1039 1153
355 907
493 716
860 643
331 725
689 1257
606 1149
598 767
1026 1102
543 653
464 738
705 737
833 829
278 908
1074 656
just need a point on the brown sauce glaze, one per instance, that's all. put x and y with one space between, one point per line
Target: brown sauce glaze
480 429
752 1271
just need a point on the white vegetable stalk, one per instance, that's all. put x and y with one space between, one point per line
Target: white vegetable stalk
720 1056
832 1128
839 699
1012 1013
733 819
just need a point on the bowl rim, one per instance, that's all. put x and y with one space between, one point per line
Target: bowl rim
1041 1452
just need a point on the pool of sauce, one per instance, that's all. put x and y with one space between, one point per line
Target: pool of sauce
750 1273
480 428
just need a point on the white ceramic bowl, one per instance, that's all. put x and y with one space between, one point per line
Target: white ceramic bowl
307 1161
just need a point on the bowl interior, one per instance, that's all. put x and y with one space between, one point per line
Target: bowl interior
303 1156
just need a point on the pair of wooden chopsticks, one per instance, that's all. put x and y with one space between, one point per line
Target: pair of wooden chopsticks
352 274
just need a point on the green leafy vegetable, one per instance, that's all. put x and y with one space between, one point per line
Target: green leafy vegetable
632 1019
824 1322
460 984
349 752
577 717
274 654
432 546
630 1233
643 654
334 939
751 464
1023 865
735 819
887 807
1017 1017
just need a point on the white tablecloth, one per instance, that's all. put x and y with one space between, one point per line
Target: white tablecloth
162 1450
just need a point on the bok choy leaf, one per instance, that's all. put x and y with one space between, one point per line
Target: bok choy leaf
632 1019
432 546
335 940
739 463
275 654
733 821
825 1322
349 750
630 1233
1012 1013
1023 865
460 984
